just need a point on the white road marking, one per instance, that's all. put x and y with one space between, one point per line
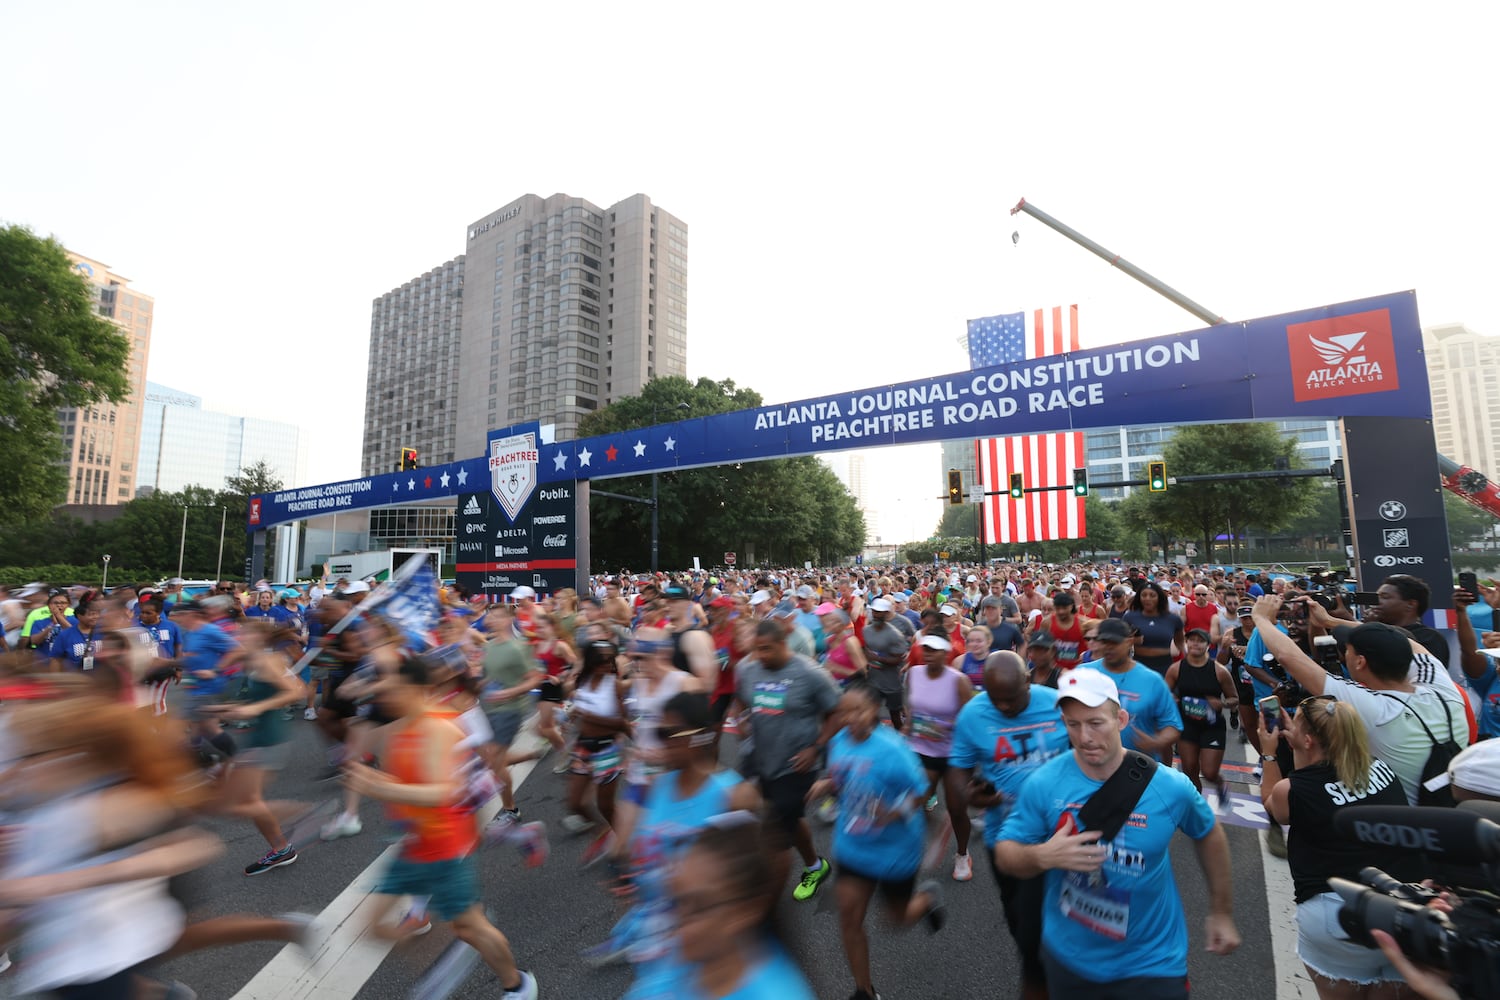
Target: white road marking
349 952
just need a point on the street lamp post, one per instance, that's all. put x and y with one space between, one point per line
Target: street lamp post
655 520
104 584
219 569
182 541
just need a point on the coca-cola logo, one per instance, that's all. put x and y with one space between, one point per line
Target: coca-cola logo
554 541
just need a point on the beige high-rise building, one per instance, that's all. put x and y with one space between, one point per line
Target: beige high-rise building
556 308
1463 371
102 440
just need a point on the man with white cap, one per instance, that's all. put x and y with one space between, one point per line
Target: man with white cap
886 649
524 599
1099 822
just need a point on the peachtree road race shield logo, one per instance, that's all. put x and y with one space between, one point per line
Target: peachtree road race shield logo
513 471
1343 356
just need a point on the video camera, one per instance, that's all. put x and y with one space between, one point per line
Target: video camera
1461 848
1323 585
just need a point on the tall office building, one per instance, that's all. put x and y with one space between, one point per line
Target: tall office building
556 308
184 445
411 384
102 439
1463 371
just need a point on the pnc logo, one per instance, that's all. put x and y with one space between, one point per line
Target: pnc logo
1342 356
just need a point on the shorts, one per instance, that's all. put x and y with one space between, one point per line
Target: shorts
893 703
719 707
1021 901
1065 984
452 885
895 891
1204 735
1326 949
120 986
341 707
786 799
506 726
551 691
934 765
598 758
269 758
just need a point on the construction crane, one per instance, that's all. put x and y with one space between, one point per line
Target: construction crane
1465 482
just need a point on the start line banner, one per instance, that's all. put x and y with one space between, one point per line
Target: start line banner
1361 358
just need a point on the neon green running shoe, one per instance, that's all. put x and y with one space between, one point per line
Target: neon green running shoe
811 879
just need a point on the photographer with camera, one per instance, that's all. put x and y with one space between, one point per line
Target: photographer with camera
1408 702
1333 769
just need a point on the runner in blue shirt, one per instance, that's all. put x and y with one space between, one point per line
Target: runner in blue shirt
1113 924
209 655
1008 732
1155 722
73 647
163 631
877 841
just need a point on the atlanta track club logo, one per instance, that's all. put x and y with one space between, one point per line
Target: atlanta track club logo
1342 356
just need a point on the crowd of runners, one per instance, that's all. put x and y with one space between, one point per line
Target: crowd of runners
1071 719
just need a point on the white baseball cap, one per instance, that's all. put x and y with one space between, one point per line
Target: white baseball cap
938 642
947 609
522 591
880 604
357 587
1087 685
759 597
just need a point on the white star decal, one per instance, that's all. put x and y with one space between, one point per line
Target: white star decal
444 480
463 475
584 456
395 486
671 444
560 461
411 484
640 449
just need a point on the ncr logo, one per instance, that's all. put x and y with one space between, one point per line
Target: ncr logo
1342 356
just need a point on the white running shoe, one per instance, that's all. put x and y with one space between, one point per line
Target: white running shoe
310 714
963 868
574 823
342 825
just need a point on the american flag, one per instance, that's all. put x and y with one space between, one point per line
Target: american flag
1042 459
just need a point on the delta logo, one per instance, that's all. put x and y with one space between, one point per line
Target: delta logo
1343 356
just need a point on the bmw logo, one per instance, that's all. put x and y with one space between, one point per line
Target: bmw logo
1393 510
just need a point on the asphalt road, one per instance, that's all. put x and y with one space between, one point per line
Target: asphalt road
552 912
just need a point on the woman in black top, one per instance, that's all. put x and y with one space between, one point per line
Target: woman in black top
1158 631
1333 769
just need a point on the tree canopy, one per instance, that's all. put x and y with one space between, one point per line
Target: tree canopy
784 510
55 351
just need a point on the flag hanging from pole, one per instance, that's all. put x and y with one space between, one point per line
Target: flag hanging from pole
1042 459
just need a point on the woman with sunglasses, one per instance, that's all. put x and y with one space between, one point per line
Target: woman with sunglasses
689 794
1333 769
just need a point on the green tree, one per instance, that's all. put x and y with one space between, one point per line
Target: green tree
1200 511
1466 525
788 510
958 520
55 351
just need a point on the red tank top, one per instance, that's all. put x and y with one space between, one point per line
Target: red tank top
438 833
1069 641
551 661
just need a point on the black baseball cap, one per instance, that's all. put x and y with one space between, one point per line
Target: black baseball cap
1112 630
1043 638
1200 633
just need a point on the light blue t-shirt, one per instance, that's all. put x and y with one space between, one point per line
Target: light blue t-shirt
1255 649
774 977
1145 695
878 772
1007 749
1130 922
1485 694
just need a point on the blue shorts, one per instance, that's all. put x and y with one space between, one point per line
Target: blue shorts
452 885
1325 948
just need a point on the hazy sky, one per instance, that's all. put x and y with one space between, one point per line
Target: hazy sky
846 171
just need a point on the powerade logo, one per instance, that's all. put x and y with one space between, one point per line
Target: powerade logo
1342 356
472 507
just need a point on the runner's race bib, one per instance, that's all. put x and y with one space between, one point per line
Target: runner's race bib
1087 900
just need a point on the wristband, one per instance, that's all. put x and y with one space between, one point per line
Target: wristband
1268 758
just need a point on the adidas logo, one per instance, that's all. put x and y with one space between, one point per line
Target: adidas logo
472 507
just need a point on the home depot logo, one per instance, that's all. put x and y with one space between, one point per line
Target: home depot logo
1342 356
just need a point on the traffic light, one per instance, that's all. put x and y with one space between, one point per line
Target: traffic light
955 487
1156 477
408 459
1080 482
1017 488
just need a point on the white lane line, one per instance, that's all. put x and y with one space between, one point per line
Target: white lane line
349 952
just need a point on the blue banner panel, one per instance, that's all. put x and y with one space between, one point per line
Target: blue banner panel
1361 358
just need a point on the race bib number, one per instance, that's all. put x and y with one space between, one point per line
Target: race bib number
770 700
1195 708
1103 910
925 727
